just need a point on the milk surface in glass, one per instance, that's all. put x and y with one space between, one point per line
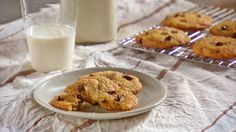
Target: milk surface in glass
50 46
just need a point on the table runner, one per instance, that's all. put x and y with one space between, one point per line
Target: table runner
200 97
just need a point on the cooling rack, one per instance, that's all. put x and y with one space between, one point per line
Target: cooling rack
186 53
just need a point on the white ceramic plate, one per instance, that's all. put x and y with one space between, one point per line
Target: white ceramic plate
152 94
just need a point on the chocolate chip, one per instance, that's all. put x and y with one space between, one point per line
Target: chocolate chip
103 100
79 97
80 88
224 27
77 107
146 33
199 15
95 103
219 44
59 98
127 77
164 33
140 40
111 92
91 75
183 20
119 98
179 14
173 31
234 35
80 101
176 15
168 38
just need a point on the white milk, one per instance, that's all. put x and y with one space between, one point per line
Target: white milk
97 21
51 46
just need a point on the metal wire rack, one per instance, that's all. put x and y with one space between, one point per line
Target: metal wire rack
186 53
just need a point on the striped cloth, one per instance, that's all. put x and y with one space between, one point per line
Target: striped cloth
200 98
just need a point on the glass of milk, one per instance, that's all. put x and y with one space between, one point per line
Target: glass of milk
50 33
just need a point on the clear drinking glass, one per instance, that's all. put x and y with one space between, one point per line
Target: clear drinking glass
50 33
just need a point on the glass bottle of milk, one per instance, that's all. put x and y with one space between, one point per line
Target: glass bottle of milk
97 21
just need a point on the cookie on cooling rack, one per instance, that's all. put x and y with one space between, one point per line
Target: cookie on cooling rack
68 102
225 28
163 38
105 92
188 21
217 47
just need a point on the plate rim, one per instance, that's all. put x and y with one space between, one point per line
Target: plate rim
100 116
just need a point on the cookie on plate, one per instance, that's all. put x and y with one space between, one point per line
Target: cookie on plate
68 102
188 21
226 28
163 38
217 47
125 81
105 92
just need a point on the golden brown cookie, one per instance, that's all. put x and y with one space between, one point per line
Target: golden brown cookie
226 28
217 47
93 82
119 101
163 38
188 21
67 102
124 81
105 92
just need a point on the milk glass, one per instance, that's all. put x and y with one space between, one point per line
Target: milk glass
50 33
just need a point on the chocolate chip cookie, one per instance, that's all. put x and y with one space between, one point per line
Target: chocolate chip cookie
68 102
125 81
217 47
188 21
163 38
226 28
105 92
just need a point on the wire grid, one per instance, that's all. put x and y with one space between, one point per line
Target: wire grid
186 53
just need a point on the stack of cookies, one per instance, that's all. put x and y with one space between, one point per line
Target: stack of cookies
112 90
220 45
